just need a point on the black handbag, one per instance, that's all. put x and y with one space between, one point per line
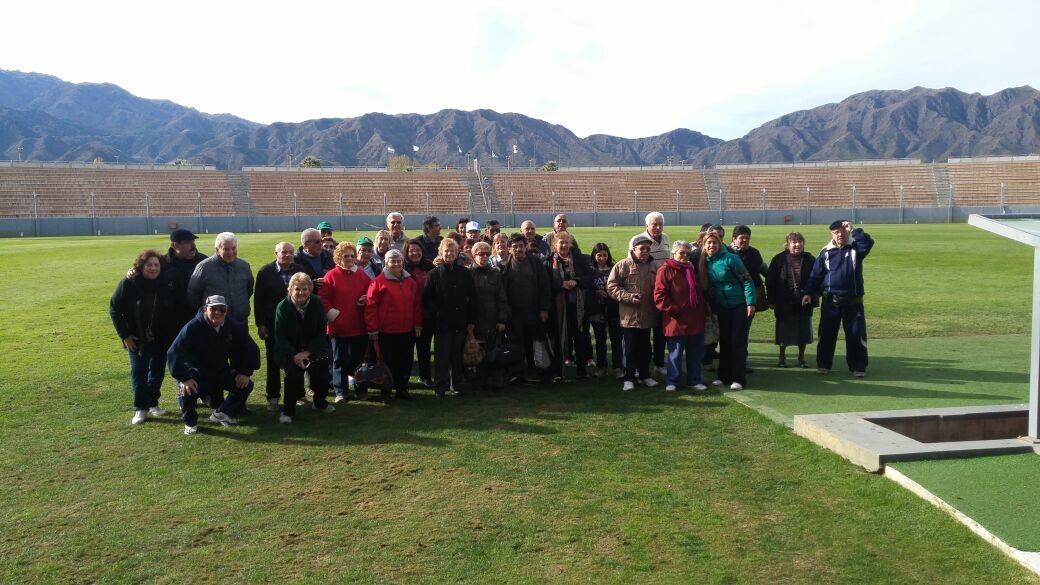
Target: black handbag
373 372
504 354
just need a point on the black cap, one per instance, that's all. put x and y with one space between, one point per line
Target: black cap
837 224
181 235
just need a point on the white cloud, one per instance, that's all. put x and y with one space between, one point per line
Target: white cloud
636 70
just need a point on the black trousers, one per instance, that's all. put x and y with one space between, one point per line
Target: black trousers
850 318
423 343
274 373
524 327
732 344
577 337
319 375
637 353
397 350
447 360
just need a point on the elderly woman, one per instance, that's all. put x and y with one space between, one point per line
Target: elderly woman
499 249
450 301
301 346
382 244
492 307
343 297
393 315
141 310
631 284
785 284
419 266
677 296
723 275
570 276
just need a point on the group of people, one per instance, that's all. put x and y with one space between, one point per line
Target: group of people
475 308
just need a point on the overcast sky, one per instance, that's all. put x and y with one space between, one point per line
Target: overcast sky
650 67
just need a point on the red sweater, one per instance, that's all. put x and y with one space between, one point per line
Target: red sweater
341 291
393 306
672 297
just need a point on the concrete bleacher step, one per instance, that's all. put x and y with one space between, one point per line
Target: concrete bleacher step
943 186
238 183
713 187
472 182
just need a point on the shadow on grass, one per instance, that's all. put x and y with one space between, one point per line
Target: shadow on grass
934 372
528 410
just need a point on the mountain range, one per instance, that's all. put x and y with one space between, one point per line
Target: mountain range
53 120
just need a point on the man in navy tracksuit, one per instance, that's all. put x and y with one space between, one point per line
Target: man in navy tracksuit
838 276
213 352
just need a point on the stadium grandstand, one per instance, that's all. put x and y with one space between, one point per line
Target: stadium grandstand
33 193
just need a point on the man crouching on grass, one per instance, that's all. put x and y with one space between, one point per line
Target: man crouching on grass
211 353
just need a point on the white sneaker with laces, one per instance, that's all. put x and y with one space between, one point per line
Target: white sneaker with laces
628 386
649 382
716 383
700 387
190 430
284 418
223 419
669 388
328 408
736 386
340 399
139 417
156 411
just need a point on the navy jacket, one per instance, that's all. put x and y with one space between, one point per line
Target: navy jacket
450 299
201 351
839 271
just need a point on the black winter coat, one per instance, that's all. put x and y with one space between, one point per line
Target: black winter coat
450 299
778 290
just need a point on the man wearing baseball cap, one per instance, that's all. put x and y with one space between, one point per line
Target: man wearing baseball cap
837 275
324 228
213 353
181 261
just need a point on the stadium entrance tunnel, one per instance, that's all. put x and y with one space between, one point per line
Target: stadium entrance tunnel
872 439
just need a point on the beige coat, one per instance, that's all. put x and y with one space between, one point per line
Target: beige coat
628 278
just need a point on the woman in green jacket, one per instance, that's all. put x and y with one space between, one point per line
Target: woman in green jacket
301 345
732 293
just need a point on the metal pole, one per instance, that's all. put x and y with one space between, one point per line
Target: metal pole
36 214
722 206
427 203
552 201
635 207
949 208
93 214
342 218
1002 201
384 203
900 204
249 211
595 210
512 208
202 225
808 205
148 210
854 205
469 201
296 212
763 207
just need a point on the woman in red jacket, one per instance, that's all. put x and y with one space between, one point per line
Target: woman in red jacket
393 316
343 295
678 297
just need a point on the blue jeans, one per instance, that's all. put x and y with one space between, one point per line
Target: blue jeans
693 347
347 353
147 368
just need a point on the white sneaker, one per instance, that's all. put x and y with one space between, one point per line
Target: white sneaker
284 418
661 370
139 417
340 399
273 404
716 383
669 388
627 386
736 386
328 408
700 387
156 411
190 430
649 382
220 417
859 374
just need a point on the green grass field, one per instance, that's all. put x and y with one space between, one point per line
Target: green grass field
574 483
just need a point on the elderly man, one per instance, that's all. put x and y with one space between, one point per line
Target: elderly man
181 261
395 225
213 353
431 238
312 258
560 225
224 274
272 285
325 228
659 253
527 285
838 276
535 241
472 235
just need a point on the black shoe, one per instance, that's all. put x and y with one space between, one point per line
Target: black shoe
802 364
781 364
439 393
583 374
385 395
403 395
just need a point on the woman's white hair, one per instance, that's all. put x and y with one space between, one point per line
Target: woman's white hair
391 253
